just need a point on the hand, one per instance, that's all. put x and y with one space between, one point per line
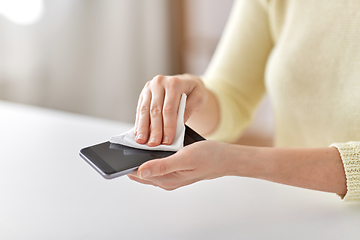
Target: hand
195 162
312 168
159 103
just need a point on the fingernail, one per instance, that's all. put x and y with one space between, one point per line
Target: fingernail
140 136
145 173
166 139
153 140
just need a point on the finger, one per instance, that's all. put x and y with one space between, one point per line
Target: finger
194 102
139 180
163 166
164 182
137 114
175 181
170 113
144 119
156 119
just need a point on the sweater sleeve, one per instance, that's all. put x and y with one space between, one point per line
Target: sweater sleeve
350 156
236 72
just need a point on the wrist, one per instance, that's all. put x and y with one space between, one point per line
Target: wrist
247 161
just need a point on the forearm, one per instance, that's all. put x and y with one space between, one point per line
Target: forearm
206 120
312 168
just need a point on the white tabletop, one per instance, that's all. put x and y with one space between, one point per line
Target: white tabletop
49 192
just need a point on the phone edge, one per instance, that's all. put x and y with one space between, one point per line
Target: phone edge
107 176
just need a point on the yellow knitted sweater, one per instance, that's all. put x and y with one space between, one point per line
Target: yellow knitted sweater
306 55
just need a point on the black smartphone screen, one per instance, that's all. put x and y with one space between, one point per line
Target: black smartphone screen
112 158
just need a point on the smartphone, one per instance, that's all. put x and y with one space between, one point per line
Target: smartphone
115 160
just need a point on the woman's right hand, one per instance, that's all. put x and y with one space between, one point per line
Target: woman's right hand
158 106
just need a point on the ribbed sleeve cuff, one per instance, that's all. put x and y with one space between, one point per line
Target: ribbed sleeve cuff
350 155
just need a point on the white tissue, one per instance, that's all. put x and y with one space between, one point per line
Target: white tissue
128 138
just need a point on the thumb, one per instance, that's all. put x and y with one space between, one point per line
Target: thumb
187 113
194 103
163 166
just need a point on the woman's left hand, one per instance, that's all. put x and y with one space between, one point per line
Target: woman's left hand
195 162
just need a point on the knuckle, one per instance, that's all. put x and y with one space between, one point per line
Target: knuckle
147 85
173 82
168 128
144 110
157 79
155 111
169 110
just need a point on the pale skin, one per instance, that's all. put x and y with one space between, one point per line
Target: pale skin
312 168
